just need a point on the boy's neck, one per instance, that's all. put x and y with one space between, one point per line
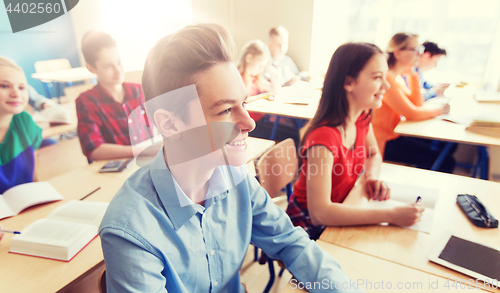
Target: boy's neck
115 90
193 176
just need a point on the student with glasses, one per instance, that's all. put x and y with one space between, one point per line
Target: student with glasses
401 102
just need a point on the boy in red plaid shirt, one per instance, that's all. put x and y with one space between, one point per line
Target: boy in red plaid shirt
104 127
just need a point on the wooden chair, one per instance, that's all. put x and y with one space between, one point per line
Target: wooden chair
102 282
52 65
276 169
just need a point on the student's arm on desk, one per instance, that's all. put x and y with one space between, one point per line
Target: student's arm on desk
325 212
376 189
108 151
274 233
397 100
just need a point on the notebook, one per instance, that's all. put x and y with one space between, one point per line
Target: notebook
63 233
402 194
14 200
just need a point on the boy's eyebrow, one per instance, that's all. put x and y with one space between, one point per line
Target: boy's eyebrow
225 101
222 102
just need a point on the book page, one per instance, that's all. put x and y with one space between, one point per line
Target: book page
28 194
85 212
53 232
5 210
407 194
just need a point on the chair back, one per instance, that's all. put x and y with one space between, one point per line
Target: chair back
52 65
277 167
102 282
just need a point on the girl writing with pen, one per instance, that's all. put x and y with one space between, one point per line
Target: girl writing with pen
339 145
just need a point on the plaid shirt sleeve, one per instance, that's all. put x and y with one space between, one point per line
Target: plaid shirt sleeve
88 125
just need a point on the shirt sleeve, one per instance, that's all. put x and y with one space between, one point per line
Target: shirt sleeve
35 99
132 265
274 233
325 136
88 126
293 67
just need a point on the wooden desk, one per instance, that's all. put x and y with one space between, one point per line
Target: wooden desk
463 106
377 275
21 273
50 131
68 75
297 101
411 248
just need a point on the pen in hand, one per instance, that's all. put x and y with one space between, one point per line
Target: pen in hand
9 231
418 200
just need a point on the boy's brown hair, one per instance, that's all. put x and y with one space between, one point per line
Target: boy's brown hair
176 59
94 41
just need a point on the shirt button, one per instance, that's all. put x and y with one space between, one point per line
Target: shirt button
135 137
212 252
123 105
216 283
130 121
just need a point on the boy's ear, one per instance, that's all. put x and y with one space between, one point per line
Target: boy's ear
165 123
90 67
349 83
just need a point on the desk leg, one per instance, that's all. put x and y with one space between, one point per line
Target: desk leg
441 156
59 92
47 90
275 128
482 162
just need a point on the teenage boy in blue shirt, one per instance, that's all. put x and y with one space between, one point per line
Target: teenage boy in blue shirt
183 223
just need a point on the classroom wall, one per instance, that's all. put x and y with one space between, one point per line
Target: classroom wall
84 17
52 40
252 19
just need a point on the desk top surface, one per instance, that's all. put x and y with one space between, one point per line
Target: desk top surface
67 75
463 109
373 274
412 248
21 273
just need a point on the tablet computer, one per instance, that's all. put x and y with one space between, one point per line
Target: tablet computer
478 260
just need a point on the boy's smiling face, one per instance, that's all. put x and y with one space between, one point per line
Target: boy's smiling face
13 91
108 67
218 121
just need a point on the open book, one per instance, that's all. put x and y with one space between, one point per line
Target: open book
55 115
407 194
63 233
22 196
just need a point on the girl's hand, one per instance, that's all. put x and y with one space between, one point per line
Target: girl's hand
377 189
445 109
406 215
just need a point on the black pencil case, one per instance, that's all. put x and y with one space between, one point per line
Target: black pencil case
476 211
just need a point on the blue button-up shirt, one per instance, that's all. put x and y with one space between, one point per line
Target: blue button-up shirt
153 242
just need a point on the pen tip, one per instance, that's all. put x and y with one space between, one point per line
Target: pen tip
17 232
